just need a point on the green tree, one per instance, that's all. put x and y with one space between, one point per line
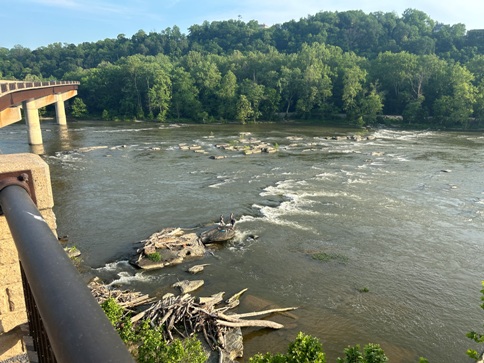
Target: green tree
227 95
78 108
457 105
290 85
353 82
479 105
254 93
371 105
147 86
392 71
184 101
206 75
244 109
315 77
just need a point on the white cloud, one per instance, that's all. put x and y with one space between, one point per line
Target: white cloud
88 6
58 3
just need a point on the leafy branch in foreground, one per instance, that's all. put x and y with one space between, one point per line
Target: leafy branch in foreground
309 349
477 337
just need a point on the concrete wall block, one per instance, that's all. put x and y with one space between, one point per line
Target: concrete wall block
10 274
12 320
8 251
12 345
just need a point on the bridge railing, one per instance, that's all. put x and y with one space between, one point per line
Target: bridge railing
65 321
13 86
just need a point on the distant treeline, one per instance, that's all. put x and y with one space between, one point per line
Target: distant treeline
323 66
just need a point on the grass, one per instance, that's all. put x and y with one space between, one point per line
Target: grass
327 257
155 257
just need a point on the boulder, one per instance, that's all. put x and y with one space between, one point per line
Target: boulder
168 247
186 286
216 235
197 268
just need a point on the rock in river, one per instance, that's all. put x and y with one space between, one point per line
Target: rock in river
168 247
188 286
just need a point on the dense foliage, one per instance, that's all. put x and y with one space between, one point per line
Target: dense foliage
323 66
307 349
146 342
476 337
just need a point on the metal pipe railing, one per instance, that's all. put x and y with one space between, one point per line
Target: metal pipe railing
76 326
12 86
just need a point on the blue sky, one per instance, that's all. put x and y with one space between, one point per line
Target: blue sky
36 23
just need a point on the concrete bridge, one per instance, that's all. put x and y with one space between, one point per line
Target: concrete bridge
30 96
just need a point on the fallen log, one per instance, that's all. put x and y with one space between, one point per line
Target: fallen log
264 312
250 323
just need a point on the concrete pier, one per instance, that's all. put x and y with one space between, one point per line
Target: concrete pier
60 111
31 114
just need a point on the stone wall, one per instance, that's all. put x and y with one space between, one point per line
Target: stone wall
12 304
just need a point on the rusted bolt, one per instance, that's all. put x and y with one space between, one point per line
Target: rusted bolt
24 177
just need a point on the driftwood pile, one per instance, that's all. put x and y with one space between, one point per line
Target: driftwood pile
125 298
201 314
186 315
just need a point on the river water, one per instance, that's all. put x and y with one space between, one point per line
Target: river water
401 216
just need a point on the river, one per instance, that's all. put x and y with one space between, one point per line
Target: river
400 216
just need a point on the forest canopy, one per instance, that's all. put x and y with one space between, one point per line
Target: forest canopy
332 65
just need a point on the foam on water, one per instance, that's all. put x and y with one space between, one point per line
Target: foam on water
358 181
114 131
224 181
402 135
114 266
125 278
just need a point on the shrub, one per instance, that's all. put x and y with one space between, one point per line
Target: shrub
304 349
147 342
155 257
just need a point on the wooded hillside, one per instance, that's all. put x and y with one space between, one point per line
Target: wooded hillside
331 63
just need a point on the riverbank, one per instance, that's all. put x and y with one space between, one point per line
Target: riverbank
394 122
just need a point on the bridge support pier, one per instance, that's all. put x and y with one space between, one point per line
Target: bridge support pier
33 122
60 110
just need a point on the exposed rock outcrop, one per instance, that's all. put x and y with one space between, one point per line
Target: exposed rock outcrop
168 247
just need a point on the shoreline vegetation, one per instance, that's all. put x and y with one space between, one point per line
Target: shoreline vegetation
391 122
